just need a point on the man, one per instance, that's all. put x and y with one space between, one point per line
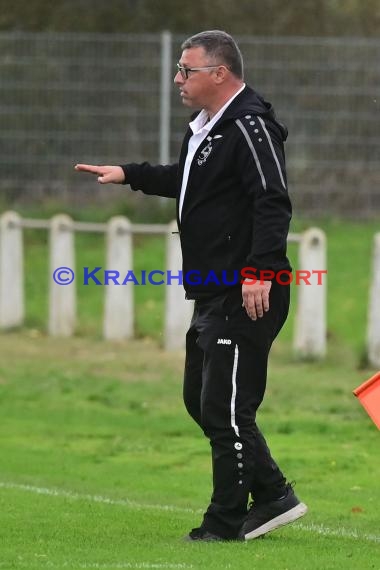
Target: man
233 211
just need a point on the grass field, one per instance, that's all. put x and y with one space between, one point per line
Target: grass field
102 468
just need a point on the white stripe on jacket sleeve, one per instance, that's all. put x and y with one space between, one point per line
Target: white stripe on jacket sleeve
273 151
252 148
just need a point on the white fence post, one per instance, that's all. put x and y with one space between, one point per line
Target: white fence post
373 332
62 298
310 327
118 309
11 271
178 311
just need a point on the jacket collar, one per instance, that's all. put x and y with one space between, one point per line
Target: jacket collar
249 102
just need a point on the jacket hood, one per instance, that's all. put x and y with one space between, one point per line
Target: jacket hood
251 102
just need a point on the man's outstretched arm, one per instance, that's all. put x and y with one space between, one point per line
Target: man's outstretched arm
154 180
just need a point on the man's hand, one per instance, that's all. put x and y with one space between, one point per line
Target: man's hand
106 174
256 297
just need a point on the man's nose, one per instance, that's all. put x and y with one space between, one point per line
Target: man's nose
178 79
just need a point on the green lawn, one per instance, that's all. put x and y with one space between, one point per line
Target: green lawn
100 467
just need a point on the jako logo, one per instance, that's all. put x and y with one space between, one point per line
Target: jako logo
224 341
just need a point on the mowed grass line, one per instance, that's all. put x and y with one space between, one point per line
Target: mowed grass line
96 418
112 536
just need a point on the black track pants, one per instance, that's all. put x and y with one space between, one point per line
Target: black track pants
224 384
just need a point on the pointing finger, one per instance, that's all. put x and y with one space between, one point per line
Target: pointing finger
88 168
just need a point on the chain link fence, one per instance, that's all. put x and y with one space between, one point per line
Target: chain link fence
100 98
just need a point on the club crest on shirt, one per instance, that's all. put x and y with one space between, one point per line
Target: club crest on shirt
206 151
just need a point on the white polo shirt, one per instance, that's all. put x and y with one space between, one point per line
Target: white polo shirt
200 128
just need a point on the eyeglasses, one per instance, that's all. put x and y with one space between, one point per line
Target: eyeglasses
184 71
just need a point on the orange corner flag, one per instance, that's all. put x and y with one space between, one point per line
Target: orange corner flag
369 397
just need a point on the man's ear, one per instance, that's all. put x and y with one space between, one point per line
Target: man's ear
221 74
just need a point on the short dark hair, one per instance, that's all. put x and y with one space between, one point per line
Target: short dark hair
221 47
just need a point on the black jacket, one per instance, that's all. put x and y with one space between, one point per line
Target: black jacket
236 210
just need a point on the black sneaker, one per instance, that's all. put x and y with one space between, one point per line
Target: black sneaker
203 535
269 516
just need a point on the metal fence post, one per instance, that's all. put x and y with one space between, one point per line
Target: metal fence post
373 331
310 333
62 297
178 311
11 271
118 309
165 93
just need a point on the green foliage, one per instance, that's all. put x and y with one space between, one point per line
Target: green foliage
135 206
273 17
